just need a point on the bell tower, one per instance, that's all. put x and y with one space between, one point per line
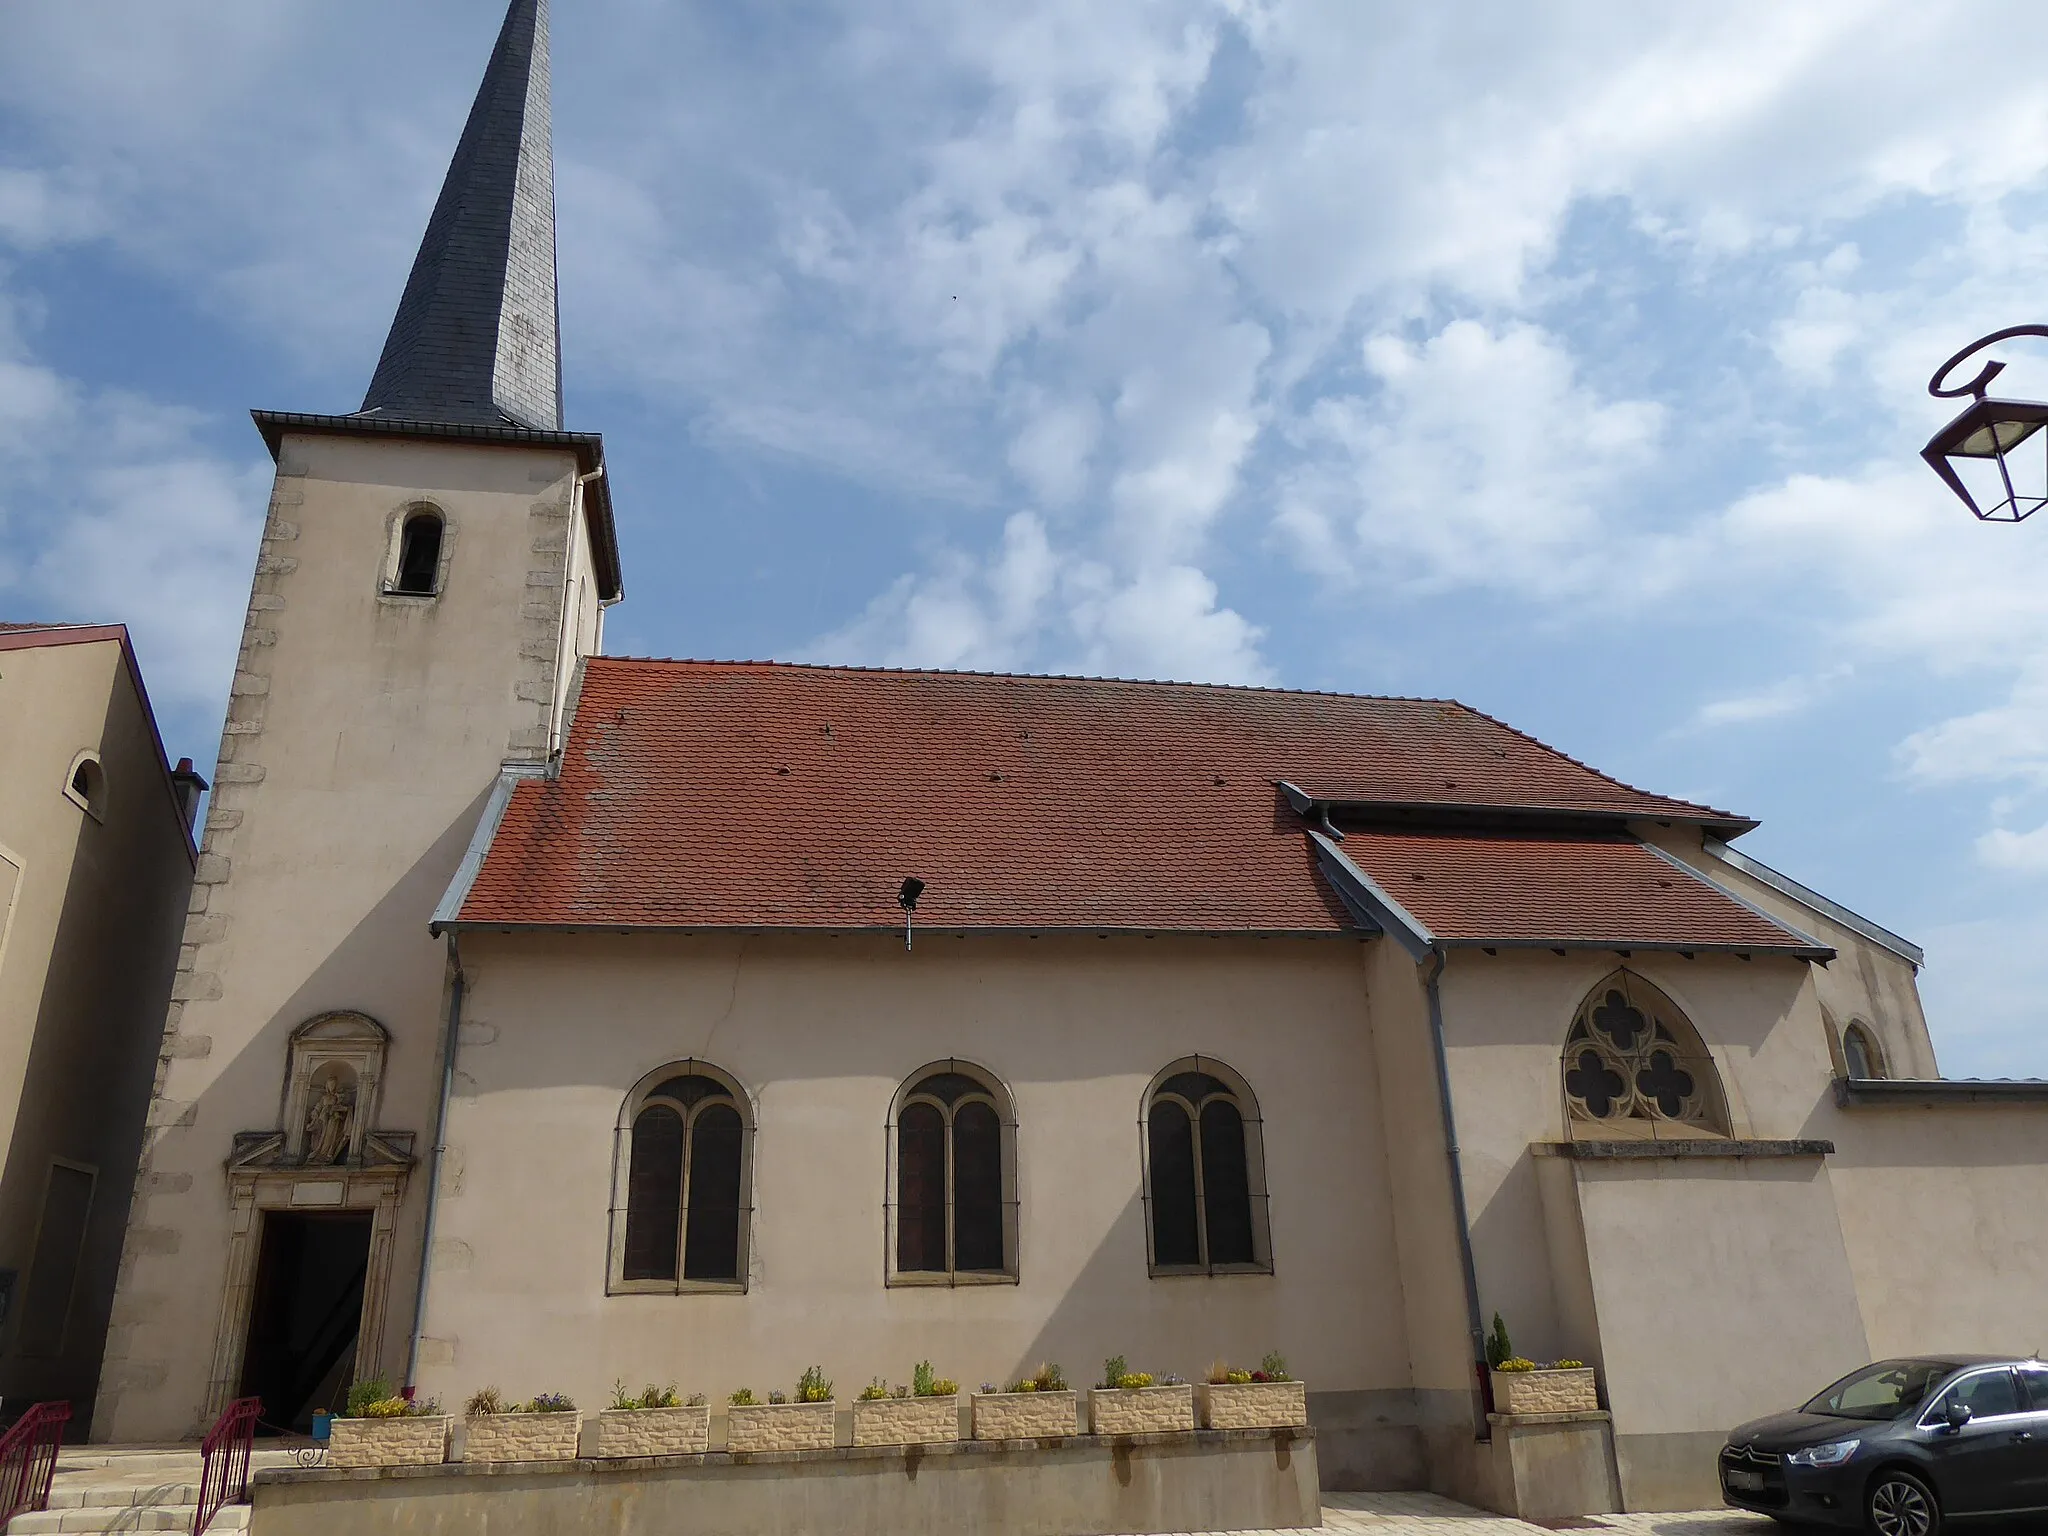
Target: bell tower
432 568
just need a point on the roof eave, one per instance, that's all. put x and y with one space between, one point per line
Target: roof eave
588 447
893 930
1315 807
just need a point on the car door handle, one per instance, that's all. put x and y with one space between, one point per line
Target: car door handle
2023 1434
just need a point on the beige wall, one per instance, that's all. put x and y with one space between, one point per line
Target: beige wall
821 1032
88 943
363 736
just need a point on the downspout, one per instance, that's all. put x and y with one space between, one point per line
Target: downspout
419 1301
1432 975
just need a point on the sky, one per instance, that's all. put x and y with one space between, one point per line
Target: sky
1569 360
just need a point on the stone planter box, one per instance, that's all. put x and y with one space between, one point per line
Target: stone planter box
1545 1391
1140 1410
1025 1415
782 1427
654 1431
388 1442
906 1420
523 1437
1254 1404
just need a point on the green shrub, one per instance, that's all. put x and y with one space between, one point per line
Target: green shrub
360 1396
482 1401
874 1391
744 1398
812 1387
1114 1369
1274 1367
1497 1346
548 1402
923 1383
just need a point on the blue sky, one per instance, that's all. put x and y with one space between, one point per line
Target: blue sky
1568 360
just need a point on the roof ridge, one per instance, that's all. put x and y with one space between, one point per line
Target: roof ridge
1042 677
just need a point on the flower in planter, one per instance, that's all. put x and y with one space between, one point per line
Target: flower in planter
874 1391
812 1387
923 1383
374 1399
1050 1378
549 1402
694 1400
1274 1367
1114 1369
485 1400
649 1396
1567 1365
744 1398
1515 1365
776 1399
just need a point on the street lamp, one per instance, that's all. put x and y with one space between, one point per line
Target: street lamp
1977 453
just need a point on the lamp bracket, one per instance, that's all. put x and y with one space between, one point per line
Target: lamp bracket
1987 373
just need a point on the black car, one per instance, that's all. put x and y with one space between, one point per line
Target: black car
1901 1447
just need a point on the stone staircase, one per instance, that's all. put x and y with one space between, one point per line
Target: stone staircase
133 1488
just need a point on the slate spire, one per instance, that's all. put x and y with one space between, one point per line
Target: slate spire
477 337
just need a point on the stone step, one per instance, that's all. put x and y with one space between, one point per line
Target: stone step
121 1495
233 1517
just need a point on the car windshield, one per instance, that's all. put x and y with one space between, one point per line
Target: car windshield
1886 1390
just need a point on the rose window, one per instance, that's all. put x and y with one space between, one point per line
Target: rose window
1632 1058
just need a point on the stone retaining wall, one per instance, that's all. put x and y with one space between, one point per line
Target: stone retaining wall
1083 1485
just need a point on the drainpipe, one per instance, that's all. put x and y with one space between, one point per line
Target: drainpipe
1431 977
419 1301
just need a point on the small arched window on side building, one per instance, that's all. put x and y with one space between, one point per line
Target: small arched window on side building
1205 1173
952 1193
86 785
681 1175
417 572
1861 1056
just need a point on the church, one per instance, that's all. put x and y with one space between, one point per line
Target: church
546 1019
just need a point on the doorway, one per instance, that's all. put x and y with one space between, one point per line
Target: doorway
304 1313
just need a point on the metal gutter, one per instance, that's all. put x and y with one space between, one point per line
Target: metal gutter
895 928
445 910
1420 814
1360 889
1813 901
1884 1092
1481 1425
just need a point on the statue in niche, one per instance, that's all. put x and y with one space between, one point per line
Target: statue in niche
328 1118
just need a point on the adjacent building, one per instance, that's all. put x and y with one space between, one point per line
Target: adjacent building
95 862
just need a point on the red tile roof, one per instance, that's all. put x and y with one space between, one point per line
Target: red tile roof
1527 890
705 794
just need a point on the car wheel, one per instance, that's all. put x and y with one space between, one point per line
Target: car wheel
1900 1504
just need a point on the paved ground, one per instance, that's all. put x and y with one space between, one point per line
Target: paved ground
1424 1514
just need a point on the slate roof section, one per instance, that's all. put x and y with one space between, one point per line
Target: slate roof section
760 795
1516 891
477 336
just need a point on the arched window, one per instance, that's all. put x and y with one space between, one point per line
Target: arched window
952 1187
680 1210
87 785
1861 1057
1635 1067
1205 1172
418 572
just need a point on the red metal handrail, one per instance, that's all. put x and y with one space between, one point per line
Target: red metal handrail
28 1458
224 1460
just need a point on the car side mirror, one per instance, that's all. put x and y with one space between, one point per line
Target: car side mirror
1957 1415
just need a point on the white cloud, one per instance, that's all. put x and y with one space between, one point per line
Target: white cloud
2022 852
1788 696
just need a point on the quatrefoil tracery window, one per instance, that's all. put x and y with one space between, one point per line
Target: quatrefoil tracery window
1633 1065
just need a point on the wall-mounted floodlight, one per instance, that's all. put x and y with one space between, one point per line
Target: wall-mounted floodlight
906 898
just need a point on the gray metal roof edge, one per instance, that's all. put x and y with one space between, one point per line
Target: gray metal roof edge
587 446
1356 886
1871 1092
933 930
1813 901
445 910
1808 947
